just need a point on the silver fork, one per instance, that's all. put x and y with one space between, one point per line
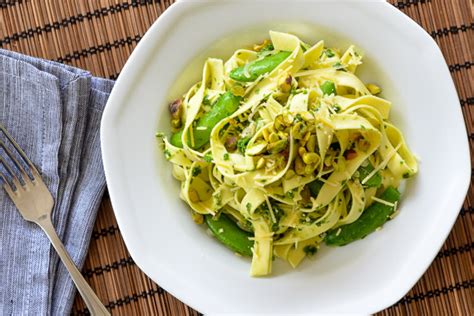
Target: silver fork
35 203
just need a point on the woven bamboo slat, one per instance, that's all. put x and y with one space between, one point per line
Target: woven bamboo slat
100 35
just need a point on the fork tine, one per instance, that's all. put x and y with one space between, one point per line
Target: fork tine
6 185
15 162
13 177
18 148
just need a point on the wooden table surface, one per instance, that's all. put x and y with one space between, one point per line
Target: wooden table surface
100 35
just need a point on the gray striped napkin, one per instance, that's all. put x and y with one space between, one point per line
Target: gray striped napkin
53 111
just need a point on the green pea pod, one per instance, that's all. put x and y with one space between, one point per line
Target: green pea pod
371 219
328 87
374 181
175 139
225 105
256 68
227 232
314 187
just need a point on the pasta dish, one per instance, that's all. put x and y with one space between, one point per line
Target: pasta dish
282 148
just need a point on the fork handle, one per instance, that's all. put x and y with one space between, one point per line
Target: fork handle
93 303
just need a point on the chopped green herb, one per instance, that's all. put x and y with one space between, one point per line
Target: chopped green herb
339 66
290 194
265 52
226 156
167 154
196 171
275 227
248 206
160 134
406 175
329 52
266 48
208 157
328 88
242 144
336 108
218 198
310 250
206 100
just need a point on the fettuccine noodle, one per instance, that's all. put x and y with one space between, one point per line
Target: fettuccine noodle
288 164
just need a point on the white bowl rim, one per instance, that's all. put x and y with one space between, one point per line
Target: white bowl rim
116 194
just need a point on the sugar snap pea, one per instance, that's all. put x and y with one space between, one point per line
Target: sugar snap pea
374 181
254 69
176 139
227 232
314 187
225 105
372 218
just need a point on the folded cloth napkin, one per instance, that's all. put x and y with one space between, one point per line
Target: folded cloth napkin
53 111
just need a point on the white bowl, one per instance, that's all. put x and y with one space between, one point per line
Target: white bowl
363 277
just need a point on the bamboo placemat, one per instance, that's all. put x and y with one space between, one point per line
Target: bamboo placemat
100 35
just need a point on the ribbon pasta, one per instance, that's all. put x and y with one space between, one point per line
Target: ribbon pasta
287 164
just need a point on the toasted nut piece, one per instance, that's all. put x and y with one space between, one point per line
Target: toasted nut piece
301 151
299 130
278 123
312 127
328 161
256 148
350 154
374 89
277 146
231 143
197 218
269 163
238 90
288 119
193 196
260 163
176 108
266 135
289 174
176 123
311 144
310 158
285 83
233 122
305 138
363 144
307 116
299 166
273 138
309 169
258 47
